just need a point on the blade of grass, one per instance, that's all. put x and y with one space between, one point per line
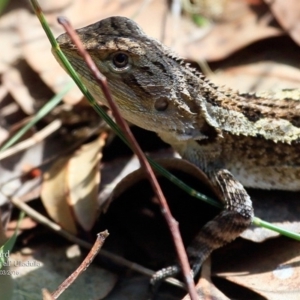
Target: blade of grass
38 116
9 244
68 67
3 4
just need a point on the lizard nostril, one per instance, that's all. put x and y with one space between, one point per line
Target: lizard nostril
120 60
161 104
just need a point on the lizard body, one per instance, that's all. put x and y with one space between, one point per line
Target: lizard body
237 139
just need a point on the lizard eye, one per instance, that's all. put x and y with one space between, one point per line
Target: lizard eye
120 60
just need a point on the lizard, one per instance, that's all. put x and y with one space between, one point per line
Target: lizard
237 139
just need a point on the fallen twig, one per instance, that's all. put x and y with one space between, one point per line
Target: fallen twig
84 265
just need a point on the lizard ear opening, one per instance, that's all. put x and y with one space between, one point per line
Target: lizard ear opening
161 104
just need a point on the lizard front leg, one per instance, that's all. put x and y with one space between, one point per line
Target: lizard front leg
228 225
224 228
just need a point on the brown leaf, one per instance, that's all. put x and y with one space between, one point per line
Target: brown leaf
259 76
10 48
12 79
271 269
82 182
167 163
245 27
205 288
287 13
54 5
284 213
69 190
37 52
54 195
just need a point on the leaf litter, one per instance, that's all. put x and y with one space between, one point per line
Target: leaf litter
250 45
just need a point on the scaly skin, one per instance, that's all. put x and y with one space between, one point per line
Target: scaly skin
237 139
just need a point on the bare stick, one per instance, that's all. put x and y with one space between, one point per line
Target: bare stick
36 138
41 219
172 223
47 295
84 265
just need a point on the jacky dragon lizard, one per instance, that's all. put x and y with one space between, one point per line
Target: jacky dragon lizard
238 140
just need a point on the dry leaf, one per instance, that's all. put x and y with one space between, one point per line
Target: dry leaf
54 5
270 269
259 76
205 288
37 52
10 47
284 213
245 27
83 181
69 190
54 195
167 163
13 81
287 13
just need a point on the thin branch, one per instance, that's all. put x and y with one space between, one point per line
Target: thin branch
41 219
84 265
36 138
54 101
172 223
47 295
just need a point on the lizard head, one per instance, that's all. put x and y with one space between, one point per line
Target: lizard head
153 88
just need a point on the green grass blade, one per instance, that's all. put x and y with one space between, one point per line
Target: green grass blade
9 244
267 225
3 4
38 116
182 185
